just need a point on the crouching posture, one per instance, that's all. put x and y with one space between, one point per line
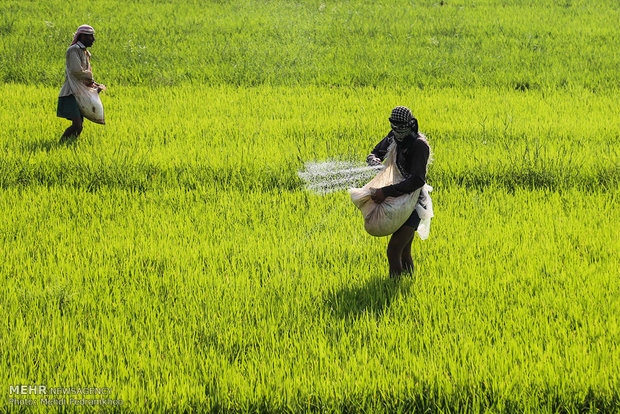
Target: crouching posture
412 154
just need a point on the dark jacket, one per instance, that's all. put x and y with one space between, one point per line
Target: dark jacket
411 158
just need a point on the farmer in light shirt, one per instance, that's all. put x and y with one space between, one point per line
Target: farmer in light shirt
77 70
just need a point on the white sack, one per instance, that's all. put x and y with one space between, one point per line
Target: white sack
88 100
91 106
424 207
385 218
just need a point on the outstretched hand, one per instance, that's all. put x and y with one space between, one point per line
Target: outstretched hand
376 194
373 161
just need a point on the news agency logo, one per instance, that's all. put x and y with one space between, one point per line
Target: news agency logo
27 389
44 395
44 390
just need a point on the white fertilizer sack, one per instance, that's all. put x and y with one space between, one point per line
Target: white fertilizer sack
90 104
385 218
88 100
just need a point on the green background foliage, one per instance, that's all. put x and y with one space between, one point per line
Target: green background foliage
506 44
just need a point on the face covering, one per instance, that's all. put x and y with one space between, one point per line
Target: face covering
401 131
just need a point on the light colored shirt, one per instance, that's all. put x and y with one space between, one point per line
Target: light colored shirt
77 68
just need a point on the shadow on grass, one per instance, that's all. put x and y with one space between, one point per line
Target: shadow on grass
43 146
373 296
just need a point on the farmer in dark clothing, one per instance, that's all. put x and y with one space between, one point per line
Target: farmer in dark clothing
412 153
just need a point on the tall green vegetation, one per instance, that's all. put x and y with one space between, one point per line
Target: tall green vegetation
507 44
178 298
259 137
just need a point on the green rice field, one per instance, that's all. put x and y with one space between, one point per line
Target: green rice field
174 261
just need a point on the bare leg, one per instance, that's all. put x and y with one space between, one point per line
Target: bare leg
73 132
399 240
406 258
